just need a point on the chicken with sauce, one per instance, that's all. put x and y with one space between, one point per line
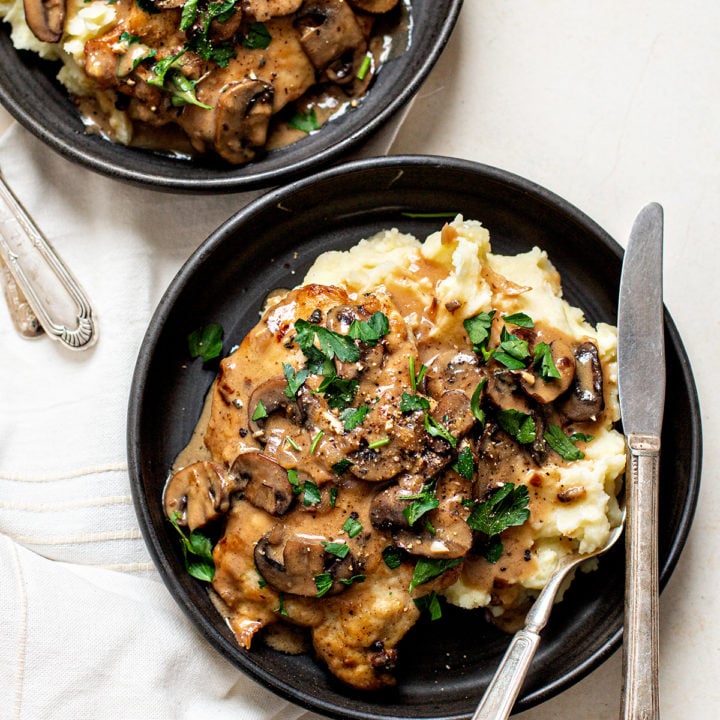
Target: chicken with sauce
228 77
358 465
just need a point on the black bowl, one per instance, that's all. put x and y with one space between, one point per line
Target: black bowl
444 666
29 91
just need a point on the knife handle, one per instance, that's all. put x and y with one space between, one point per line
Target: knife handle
640 647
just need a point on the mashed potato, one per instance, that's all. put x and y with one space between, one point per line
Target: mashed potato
466 278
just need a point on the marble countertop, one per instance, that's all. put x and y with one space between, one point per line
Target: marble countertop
610 105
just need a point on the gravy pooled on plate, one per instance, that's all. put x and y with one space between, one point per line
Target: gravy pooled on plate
417 423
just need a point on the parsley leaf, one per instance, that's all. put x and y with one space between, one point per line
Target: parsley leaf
520 319
465 464
427 569
295 379
478 329
323 583
477 411
518 425
197 551
339 392
206 342
258 36
434 428
351 580
505 508
260 411
561 444
341 466
431 603
423 502
371 331
331 343
393 556
352 417
339 550
311 494
415 380
189 14
544 362
305 122
410 403
352 527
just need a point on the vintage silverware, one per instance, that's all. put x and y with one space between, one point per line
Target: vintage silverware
52 293
641 382
501 693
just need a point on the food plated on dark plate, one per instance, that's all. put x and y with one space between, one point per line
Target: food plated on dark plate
401 436
220 95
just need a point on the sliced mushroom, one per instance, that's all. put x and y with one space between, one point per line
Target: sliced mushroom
585 400
328 31
243 113
546 391
505 392
263 482
376 465
339 319
448 534
290 562
454 412
200 493
46 18
272 395
453 370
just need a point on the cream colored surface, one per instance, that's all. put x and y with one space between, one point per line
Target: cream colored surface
609 104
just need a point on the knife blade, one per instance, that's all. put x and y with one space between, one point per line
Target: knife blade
641 385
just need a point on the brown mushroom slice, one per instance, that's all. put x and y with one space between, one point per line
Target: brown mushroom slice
46 18
263 482
199 493
503 389
328 30
585 400
243 113
448 534
290 562
454 413
272 395
375 7
546 391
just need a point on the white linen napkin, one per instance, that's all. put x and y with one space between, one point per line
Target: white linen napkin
87 629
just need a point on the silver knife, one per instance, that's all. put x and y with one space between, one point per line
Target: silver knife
641 382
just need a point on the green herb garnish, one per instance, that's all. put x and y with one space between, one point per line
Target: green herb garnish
431 603
323 583
371 331
518 425
305 122
477 411
411 403
478 330
364 68
423 502
316 441
427 569
544 362
258 36
260 411
520 319
352 417
352 527
393 556
206 342
295 379
197 551
561 444
506 507
465 464
339 550
434 428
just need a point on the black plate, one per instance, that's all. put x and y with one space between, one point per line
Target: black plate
445 665
29 91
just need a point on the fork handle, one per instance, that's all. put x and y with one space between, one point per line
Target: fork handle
640 698
501 693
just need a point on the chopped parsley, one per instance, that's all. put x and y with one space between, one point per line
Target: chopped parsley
436 429
371 331
423 502
561 444
380 442
323 583
465 464
260 411
342 466
352 417
295 379
258 37
512 352
478 330
393 556
206 342
352 526
544 362
431 604
411 403
506 507
305 122
520 319
518 425
427 569
197 551
475 408
415 380
339 550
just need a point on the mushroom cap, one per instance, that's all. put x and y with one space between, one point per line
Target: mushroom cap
263 482
585 400
291 561
46 18
200 493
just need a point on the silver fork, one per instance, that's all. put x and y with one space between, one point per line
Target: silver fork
56 301
500 696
